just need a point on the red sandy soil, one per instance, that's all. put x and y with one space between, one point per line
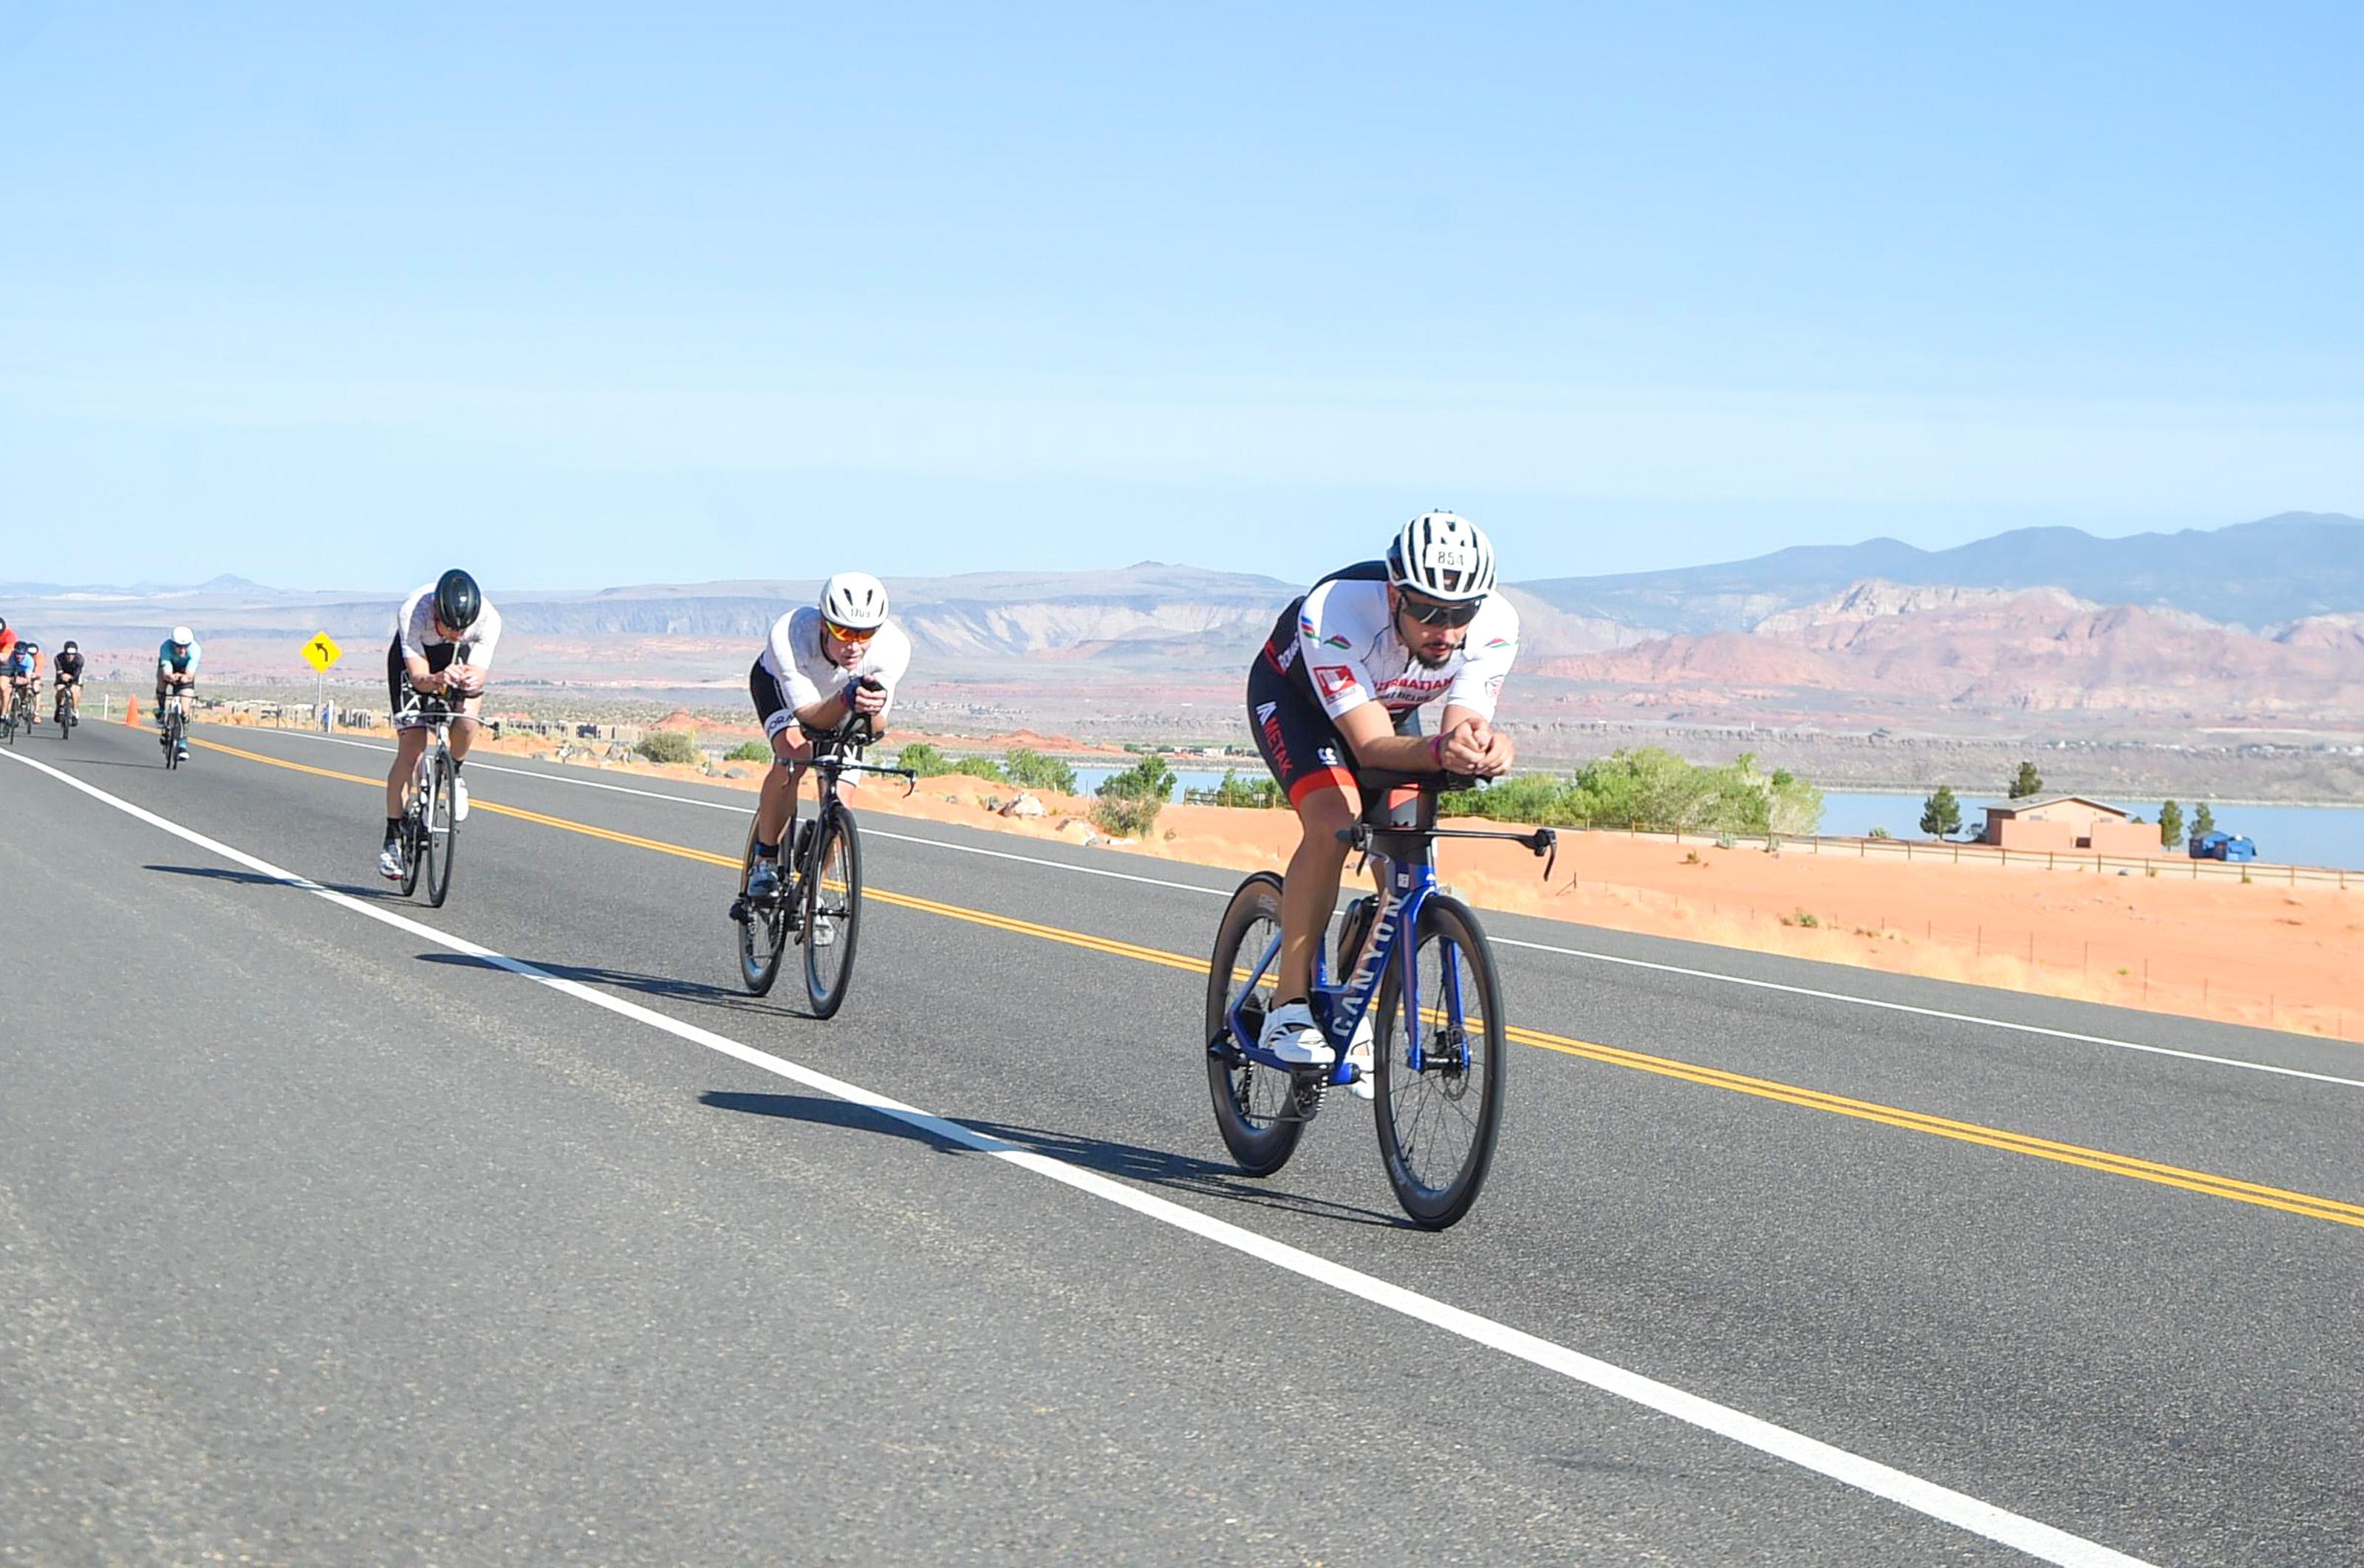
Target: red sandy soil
2262 953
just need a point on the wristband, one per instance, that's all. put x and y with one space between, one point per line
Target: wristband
1436 751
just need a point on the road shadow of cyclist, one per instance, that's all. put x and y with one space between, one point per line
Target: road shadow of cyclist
659 985
1126 1162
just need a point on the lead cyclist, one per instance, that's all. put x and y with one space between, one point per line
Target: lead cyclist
821 664
1338 688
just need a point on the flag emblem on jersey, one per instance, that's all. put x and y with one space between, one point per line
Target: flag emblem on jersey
1335 643
1335 680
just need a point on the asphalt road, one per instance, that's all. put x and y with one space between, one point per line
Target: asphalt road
324 1237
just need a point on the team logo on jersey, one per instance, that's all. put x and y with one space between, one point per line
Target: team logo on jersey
1335 680
1499 642
1265 710
1336 642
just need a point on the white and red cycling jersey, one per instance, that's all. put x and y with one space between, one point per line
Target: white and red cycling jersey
1339 644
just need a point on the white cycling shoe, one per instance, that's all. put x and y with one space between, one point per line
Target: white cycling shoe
458 798
1358 1056
824 931
389 863
1290 1033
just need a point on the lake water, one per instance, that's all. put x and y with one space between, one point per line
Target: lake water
2302 835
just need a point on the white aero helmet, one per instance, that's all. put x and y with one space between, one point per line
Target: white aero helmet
855 600
182 636
1443 555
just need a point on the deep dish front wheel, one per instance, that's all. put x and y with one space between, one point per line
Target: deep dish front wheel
763 929
1438 1125
1256 1108
443 831
832 909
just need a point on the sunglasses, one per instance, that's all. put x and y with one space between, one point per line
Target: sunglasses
1432 612
848 633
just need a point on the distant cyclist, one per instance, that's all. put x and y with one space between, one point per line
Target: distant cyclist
7 646
177 658
443 641
821 663
65 682
25 674
1338 688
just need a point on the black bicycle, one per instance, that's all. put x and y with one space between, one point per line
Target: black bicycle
67 710
430 827
19 719
1416 962
819 899
172 728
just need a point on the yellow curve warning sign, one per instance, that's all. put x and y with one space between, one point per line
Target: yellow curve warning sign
322 652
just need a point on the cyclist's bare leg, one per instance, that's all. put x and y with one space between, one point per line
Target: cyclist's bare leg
1310 889
776 810
410 745
464 725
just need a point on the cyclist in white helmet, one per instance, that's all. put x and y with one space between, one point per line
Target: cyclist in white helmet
821 664
1338 687
177 658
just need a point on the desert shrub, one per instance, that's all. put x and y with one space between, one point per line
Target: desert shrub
984 768
748 751
1126 816
669 746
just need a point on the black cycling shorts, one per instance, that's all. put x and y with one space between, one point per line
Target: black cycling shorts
771 703
440 656
1297 739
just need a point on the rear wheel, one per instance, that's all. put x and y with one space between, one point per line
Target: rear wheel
1258 1109
1438 1125
763 929
833 888
442 834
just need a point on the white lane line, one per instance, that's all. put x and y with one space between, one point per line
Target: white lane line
1610 958
1959 1509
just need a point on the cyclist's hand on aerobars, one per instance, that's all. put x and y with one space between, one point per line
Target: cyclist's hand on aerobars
1464 751
1496 758
865 699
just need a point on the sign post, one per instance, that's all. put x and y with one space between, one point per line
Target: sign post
320 653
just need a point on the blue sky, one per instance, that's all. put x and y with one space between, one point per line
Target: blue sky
587 294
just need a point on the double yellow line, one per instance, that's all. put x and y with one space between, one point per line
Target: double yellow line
2226 1187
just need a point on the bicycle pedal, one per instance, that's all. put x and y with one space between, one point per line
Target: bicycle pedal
738 910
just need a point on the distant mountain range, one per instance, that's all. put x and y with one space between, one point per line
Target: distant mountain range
2254 575
2260 621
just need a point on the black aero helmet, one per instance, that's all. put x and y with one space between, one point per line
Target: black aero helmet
458 600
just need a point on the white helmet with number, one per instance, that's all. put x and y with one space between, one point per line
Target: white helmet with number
1443 555
855 600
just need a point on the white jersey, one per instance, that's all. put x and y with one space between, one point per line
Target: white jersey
1346 643
413 627
796 656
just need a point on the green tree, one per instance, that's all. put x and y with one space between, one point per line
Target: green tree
984 768
1940 814
2028 782
748 751
2204 820
2171 825
1032 770
923 760
669 746
1262 794
1149 779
